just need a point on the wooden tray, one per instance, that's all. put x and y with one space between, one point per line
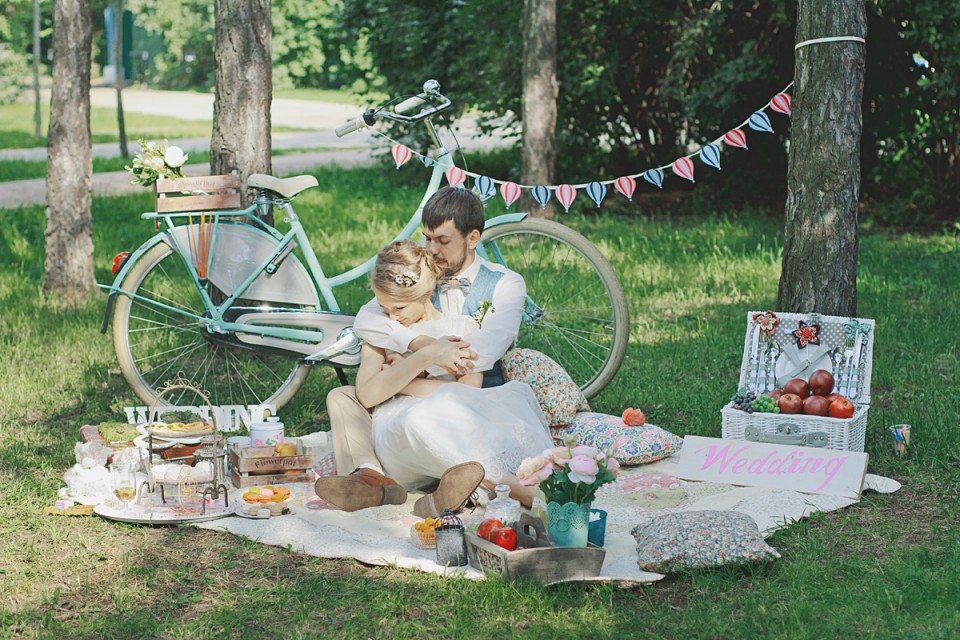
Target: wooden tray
539 561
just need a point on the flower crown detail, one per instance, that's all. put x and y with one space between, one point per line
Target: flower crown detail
406 279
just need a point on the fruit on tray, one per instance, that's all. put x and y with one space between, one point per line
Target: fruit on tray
487 526
821 382
798 387
266 494
816 406
285 449
790 403
841 407
504 537
427 525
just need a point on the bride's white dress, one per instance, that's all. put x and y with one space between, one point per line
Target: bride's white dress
417 439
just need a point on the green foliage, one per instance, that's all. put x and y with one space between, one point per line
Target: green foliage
13 69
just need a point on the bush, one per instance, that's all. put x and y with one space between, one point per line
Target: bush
13 67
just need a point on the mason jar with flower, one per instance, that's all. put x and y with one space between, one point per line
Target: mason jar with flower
569 477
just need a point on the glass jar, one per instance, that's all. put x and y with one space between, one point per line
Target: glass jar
503 507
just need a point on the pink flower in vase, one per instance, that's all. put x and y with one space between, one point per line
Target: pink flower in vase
558 456
535 470
583 469
613 466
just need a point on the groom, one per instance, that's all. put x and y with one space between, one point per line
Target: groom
453 222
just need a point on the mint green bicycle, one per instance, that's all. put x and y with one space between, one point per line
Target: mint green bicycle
243 310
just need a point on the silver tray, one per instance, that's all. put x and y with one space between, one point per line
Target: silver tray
158 515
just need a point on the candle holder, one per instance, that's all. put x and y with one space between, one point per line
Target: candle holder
451 545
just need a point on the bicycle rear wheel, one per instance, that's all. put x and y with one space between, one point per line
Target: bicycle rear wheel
154 343
576 311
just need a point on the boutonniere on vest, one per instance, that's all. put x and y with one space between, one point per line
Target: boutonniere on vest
485 307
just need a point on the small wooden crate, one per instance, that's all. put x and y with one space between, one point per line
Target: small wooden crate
845 434
203 193
538 561
251 466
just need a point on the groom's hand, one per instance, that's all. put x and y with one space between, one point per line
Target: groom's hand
452 354
468 358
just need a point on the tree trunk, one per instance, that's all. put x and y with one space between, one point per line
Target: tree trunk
823 180
244 89
69 233
37 120
120 73
539 97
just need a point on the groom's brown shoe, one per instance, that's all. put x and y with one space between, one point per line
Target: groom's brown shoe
362 489
456 486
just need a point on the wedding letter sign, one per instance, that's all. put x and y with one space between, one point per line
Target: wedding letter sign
756 464
230 417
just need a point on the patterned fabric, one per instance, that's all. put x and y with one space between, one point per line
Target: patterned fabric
700 540
475 293
559 396
648 443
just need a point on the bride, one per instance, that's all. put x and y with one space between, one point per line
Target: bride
426 421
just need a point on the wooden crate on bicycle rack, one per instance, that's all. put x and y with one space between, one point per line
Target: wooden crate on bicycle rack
203 193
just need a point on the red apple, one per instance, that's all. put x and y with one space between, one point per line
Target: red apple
798 387
487 527
776 393
821 382
834 396
841 408
816 406
504 537
790 403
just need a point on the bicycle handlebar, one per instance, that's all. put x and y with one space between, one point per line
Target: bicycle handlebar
410 104
431 97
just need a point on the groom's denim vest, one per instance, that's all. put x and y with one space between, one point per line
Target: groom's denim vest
481 289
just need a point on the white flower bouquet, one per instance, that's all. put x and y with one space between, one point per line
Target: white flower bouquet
156 160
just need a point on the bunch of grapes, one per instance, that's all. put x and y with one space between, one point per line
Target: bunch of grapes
765 404
744 400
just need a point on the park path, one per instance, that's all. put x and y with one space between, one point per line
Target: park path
317 118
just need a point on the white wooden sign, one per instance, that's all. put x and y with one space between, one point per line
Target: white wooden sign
230 417
757 464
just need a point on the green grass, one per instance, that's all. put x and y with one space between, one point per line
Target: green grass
885 568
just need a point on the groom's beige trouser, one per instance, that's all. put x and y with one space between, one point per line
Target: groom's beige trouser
352 429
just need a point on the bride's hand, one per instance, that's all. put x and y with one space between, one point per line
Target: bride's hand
451 353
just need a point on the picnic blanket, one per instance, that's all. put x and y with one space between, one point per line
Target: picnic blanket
381 535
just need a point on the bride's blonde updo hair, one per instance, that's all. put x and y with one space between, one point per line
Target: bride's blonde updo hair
405 272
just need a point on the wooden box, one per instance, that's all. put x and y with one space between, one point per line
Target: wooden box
258 465
538 561
846 349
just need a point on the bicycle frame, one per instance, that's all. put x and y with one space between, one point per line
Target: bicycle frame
214 319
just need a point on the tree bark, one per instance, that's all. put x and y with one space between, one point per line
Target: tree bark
37 120
120 73
539 98
823 179
244 89
69 233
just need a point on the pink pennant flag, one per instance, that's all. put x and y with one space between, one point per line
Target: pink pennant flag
401 153
566 194
735 138
509 191
455 176
625 185
781 103
683 167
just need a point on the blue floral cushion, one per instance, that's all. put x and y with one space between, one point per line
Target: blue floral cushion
699 540
647 443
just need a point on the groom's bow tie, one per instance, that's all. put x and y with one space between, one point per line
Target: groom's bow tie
455 283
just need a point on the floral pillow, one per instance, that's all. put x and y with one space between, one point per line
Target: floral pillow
699 540
647 443
559 396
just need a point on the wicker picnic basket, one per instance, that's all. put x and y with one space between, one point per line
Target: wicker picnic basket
846 349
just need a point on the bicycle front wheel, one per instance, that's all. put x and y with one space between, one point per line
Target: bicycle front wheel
158 335
576 311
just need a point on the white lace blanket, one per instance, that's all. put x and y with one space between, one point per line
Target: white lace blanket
380 536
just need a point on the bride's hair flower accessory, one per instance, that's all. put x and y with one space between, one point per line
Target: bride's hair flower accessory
406 279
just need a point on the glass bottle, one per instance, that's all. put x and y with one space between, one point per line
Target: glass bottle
503 507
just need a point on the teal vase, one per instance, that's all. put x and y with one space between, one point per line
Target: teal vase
568 524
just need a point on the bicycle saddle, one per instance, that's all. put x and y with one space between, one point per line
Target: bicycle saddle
286 187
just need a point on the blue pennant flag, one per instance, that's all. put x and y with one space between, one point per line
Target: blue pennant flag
542 195
597 191
427 161
485 187
654 177
710 155
760 122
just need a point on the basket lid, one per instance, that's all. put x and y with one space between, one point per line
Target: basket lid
839 344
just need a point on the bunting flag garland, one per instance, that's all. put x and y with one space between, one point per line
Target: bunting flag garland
654 177
735 138
509 191
683 167
485 187
401 154
455 176
566 195
708 153
542 195
759 121
625 185
597 191
710 156
781 103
